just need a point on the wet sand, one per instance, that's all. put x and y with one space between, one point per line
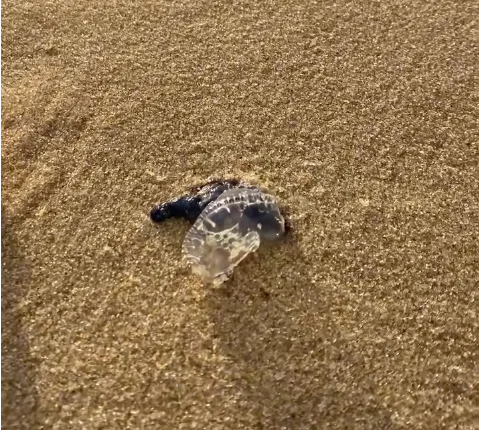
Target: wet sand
362 119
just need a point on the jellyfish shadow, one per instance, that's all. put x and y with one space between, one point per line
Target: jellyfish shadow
19 395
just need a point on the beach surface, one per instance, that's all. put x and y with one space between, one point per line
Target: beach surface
362 117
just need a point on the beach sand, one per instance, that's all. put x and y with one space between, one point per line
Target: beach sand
360 116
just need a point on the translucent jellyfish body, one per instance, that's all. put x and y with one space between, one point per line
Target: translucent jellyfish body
230 228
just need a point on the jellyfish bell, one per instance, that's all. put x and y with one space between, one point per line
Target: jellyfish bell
228 230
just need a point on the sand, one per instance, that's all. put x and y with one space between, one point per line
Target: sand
360 116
